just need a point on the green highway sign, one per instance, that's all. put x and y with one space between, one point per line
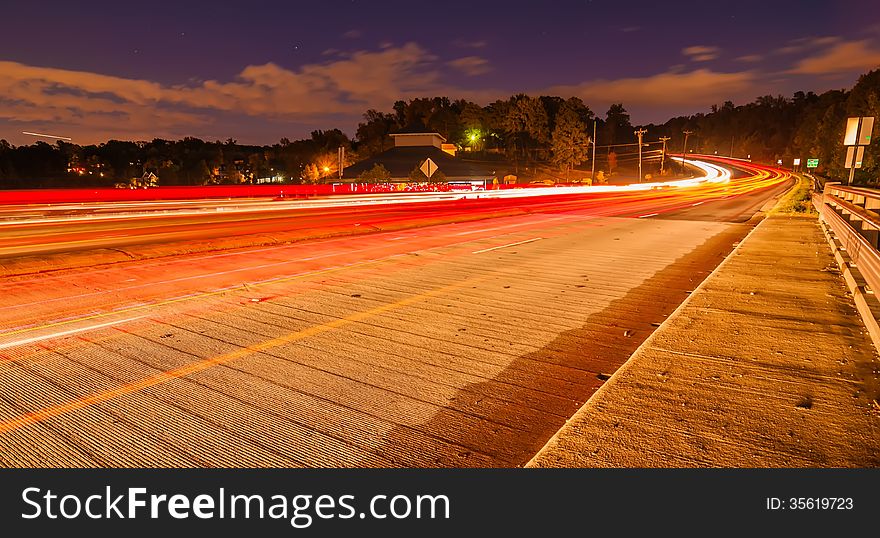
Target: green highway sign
812 163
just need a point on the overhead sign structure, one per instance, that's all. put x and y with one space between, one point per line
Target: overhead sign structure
428 167
854 156
858 131
812 163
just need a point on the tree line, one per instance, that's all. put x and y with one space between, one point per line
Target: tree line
534 133
771 128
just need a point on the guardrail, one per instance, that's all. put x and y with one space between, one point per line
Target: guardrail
818 181
853 214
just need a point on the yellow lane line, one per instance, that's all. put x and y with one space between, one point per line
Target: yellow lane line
204 364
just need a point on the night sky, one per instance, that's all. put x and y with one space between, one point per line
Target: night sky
260 71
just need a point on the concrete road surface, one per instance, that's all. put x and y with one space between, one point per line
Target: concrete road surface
463 344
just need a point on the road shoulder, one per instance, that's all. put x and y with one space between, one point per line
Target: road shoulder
766 365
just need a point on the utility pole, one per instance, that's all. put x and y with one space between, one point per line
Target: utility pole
340 155
593 172
684 148
663 139
639 133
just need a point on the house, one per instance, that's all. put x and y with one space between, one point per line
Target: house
411 149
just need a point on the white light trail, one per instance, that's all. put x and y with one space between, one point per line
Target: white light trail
47 136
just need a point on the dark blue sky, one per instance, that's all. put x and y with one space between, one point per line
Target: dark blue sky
259 70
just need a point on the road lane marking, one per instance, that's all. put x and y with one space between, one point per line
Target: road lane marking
547 220
201 295
34 417
233 287
508 245
142 304
648 215
16 343
280 248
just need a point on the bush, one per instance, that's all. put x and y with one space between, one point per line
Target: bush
376 174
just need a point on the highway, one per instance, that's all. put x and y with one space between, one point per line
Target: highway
34 230
465 337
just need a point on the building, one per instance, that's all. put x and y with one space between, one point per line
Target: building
412 149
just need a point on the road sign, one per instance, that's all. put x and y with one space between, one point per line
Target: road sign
428 167
858 131
797 162
812 163
854 156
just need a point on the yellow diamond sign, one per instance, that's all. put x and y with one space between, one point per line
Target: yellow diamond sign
428 167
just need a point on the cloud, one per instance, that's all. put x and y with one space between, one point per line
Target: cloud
750 58
671 88
802 44
471 65
701 53
352 34
841 57
468 44
340 87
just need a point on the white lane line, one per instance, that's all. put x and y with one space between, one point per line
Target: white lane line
508 245
271 280
696 204
549 219
16 343
238 286
648 215
168 266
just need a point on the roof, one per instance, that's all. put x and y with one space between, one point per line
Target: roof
416 127
420 133
400 161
